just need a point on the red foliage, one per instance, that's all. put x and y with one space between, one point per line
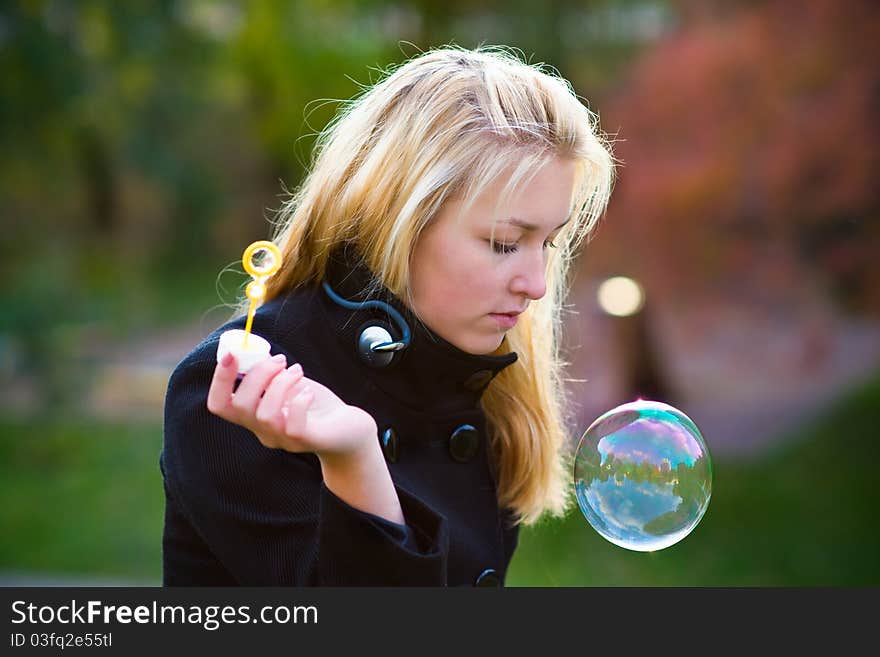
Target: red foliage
747 140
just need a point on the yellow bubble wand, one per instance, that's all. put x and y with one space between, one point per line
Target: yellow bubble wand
261 260
256 289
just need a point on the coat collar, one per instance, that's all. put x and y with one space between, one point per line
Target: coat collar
431 374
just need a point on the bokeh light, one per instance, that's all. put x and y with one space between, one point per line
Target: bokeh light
621 296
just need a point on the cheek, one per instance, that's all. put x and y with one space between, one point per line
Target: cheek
468 282
450 293
454 288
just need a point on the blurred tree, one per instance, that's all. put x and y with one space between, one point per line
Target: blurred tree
290 54
96 106
286 55
750 147
640 359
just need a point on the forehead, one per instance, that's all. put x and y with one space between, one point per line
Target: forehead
526 225
540 201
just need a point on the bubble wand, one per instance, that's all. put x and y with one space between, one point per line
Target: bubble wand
250 349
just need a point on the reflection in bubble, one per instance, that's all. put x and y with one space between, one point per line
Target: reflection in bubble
643 476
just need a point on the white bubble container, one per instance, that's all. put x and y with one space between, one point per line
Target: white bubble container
232 341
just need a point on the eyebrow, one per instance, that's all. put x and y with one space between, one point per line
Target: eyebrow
527 226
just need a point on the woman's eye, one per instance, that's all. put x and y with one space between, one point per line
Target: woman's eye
501 247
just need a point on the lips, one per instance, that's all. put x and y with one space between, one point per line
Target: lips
505 320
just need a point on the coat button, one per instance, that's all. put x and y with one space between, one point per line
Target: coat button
390 445
488 578
478 380
464 443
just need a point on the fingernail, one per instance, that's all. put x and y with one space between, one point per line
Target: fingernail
279 357
226 360
296 368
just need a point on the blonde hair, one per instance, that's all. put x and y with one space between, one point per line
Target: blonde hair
444 125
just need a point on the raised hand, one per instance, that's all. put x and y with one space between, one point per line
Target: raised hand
286 410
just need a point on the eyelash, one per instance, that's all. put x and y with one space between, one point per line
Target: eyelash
506 249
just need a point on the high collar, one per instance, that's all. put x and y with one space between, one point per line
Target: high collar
431 374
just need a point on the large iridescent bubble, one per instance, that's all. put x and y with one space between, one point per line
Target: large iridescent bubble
643 475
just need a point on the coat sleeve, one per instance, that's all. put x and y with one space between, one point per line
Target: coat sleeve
266 514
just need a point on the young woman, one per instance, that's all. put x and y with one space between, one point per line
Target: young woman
413 415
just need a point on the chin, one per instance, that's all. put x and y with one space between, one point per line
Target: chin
482 347
476 342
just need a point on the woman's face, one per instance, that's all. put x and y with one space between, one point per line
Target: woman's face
462 283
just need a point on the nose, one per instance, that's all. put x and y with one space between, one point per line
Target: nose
530 280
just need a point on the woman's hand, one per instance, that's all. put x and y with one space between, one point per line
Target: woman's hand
289 411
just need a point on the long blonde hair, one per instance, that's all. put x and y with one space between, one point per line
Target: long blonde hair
444 125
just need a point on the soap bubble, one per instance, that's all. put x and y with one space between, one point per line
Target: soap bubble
643 475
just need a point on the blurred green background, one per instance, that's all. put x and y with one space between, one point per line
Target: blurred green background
145 144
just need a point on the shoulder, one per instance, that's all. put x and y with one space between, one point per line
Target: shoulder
275 321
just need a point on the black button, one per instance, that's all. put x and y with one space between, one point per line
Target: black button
488 578
464 443
390 445
478 380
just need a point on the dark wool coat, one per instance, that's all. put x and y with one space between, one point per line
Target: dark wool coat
239 513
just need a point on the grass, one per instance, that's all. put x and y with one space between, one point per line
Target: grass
804 515
85 498
81 497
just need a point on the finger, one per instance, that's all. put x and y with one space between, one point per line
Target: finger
254 383
297 409
220 392
302 383
269 408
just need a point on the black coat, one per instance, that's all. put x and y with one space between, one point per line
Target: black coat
240 513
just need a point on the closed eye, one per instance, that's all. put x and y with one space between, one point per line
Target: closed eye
505 249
